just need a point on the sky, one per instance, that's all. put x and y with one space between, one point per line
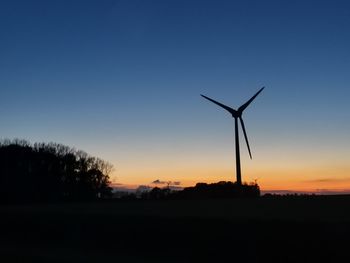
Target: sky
122 80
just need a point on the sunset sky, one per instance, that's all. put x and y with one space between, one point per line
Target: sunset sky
122 80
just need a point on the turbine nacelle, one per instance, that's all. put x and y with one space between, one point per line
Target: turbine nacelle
236 114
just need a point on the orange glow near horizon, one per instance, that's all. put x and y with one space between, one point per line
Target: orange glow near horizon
275 166
306 179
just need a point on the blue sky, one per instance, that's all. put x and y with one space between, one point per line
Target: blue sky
121 80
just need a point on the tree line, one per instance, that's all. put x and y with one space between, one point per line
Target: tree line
222 189
50 172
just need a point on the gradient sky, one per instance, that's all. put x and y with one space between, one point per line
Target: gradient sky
121 80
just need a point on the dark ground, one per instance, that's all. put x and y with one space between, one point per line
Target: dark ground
293 229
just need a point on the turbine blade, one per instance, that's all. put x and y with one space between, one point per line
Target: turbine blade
245 105
232 111
245 136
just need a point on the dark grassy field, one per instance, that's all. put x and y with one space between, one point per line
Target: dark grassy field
293 229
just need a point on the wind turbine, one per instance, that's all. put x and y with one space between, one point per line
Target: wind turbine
237 114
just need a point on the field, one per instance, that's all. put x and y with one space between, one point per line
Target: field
274 229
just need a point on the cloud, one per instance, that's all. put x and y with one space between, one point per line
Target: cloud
158 182
170 183
328 180
176 188
326 191
321 191
284 192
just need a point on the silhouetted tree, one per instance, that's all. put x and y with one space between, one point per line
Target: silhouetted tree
219 190
202 190
50 172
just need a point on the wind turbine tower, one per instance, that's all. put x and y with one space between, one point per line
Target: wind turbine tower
237 115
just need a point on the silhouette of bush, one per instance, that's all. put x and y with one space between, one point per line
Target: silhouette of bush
221 189
50 172
202 191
